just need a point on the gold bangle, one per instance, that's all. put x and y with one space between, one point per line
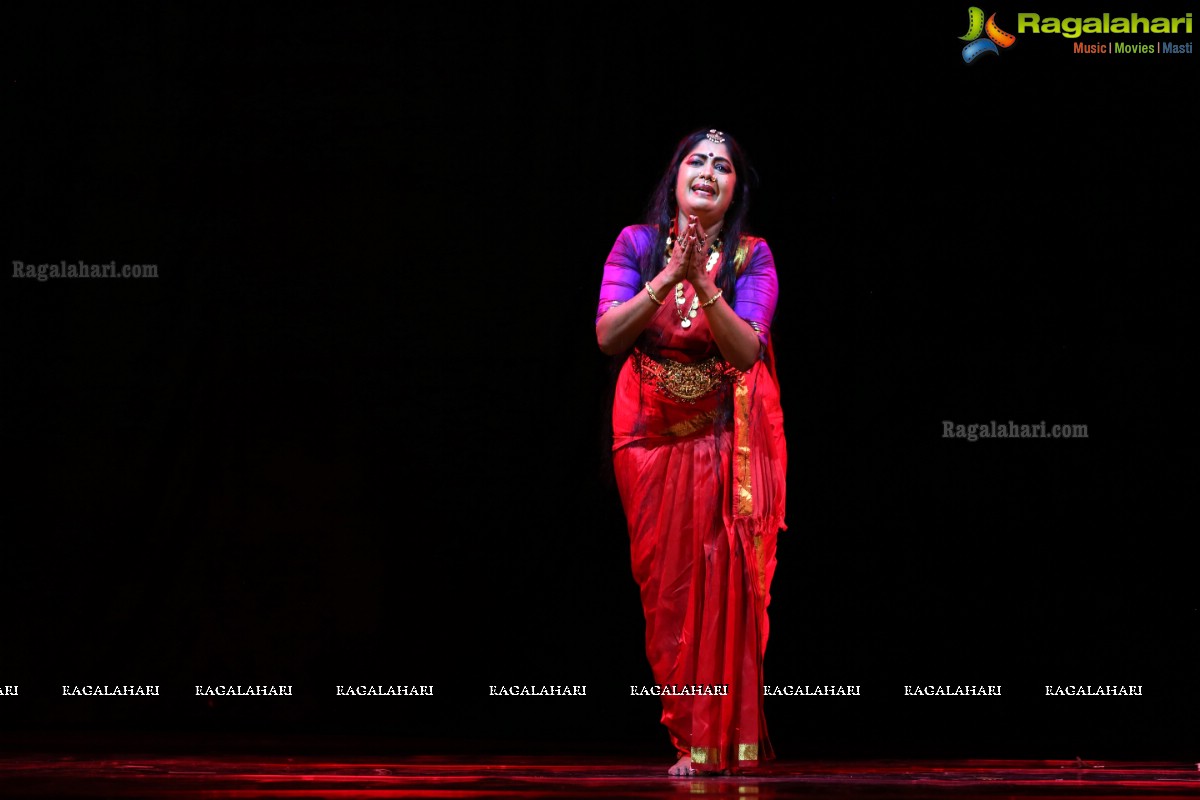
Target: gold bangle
712 299
650 292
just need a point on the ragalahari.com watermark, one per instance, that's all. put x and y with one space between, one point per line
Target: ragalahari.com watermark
1011 430
81 270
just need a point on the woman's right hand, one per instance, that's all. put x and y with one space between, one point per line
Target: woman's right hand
683 251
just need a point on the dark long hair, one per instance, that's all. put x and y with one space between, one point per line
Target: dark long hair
662 209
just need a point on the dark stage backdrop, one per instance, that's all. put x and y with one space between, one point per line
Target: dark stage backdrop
353 431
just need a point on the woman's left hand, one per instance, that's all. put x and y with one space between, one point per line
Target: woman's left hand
702 279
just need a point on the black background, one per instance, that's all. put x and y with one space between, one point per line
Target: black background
354 431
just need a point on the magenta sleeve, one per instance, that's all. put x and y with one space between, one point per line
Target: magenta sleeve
622 274
757 291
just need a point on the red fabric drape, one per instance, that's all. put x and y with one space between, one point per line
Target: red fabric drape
702 484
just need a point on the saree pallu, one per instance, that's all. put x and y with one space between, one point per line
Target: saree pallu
700 461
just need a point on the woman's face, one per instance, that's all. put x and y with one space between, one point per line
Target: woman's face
706 181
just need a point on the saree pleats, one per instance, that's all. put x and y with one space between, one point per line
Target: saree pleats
702 486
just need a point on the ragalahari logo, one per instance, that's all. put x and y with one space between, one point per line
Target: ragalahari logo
996 38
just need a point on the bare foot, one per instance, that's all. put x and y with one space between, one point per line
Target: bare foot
682 767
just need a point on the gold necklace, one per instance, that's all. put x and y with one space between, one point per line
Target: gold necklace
685 318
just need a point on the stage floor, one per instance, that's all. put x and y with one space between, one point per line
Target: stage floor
142 775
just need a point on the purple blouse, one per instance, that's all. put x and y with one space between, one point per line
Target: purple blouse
756 290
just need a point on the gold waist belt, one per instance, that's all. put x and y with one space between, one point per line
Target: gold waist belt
686 382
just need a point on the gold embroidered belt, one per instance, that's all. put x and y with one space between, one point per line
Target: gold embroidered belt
685 382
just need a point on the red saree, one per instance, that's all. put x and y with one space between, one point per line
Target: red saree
700 462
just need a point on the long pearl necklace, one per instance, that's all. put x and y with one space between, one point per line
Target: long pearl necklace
685 318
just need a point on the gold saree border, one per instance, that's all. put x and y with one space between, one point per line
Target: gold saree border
760 561
712 755
689 426
743 498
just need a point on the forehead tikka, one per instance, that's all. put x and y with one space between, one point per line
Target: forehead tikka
715 136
